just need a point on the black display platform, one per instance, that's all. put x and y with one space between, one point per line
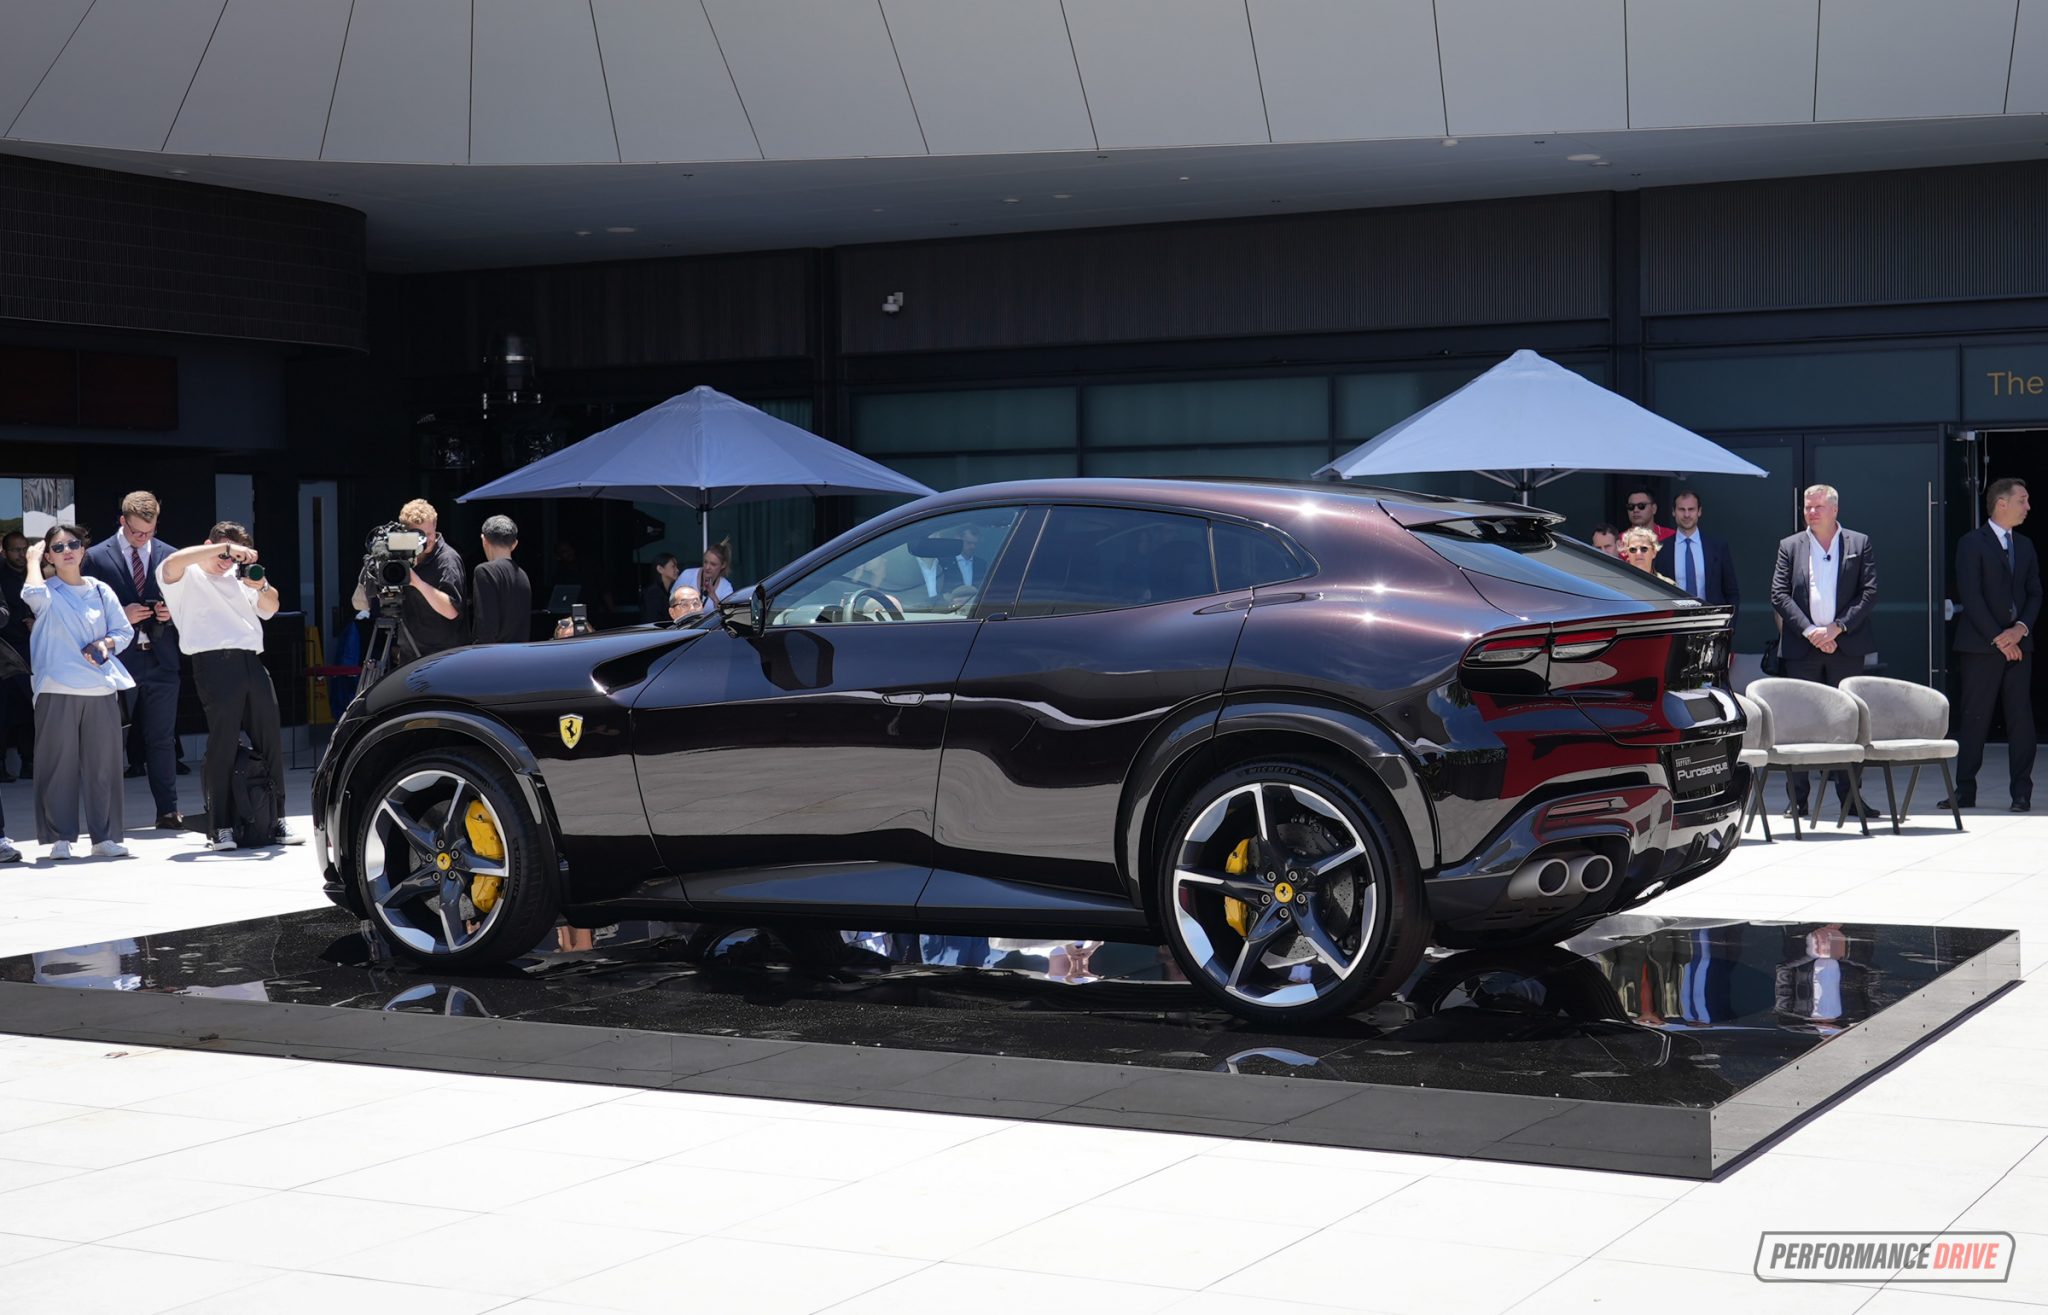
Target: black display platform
1668 1046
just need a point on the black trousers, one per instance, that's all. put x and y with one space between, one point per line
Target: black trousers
153 722
1828 669
237 694
1989 682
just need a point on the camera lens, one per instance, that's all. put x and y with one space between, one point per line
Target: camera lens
252 571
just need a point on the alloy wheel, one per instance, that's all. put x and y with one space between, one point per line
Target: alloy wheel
1273 895
430 875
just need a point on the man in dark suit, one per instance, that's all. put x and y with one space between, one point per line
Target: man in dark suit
1824 590
952 566
1699 561
127 561
1998 583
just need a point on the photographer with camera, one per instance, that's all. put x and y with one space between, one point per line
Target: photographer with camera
218 593
127 562
430 590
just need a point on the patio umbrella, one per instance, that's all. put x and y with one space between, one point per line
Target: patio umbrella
1529 421
703 450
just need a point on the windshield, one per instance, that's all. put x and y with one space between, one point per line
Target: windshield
1528 551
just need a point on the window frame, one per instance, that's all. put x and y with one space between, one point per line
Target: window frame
981 606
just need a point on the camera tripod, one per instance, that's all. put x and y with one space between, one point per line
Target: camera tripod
380 654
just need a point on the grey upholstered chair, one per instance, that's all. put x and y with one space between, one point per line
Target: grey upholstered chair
1813 727
1907 726
1755 755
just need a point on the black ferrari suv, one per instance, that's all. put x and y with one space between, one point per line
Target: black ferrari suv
1296 732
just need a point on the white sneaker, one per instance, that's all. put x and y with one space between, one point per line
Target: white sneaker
222 839
8 853
284 835
60 849
110 849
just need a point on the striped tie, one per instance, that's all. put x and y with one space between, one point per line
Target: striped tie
141 576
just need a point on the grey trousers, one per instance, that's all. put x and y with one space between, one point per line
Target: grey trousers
78 766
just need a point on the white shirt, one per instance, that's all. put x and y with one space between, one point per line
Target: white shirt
212 612
1821 565
693 574
2004 539
930 567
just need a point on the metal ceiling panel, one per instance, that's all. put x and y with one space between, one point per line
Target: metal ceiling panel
990 76
1349 70
672 96
403 93
121 77
537 92
1168 72
1902 59
266 82
819 78
1516 68
1729 62
36 31
2028 89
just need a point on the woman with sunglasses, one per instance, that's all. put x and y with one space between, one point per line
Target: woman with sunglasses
80 626
1639 549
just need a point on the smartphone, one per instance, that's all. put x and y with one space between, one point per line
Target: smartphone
579 620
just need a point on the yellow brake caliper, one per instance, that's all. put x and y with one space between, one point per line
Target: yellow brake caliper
484 839
1236 911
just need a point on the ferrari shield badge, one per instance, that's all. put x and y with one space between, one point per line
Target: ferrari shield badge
572 730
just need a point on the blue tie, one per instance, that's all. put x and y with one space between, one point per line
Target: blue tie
1692 571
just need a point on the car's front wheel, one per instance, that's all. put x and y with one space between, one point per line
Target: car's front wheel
449 862
1284 898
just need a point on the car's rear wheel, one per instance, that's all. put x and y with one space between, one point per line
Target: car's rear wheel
1283 896
450 864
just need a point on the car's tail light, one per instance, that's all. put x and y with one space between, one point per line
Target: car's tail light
1572 645
1506 652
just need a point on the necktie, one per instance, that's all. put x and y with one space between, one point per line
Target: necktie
1692 569
141 576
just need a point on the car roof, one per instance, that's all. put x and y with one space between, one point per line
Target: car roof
1252 498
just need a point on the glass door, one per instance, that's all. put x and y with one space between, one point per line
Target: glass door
1891 490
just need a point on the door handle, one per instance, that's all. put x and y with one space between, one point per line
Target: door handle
909 698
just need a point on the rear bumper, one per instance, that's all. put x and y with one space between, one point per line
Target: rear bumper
1654 843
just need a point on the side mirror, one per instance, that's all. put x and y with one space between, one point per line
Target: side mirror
745 613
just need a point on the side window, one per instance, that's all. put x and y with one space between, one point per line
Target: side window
1247 557
929 570
1092 559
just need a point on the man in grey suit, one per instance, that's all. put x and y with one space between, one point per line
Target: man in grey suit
1824 590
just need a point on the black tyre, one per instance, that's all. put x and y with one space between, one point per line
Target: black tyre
1284 897
427 872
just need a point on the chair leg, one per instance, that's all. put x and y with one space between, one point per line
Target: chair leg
1954 811
1855 780
1763 806
1912 784
1841 802
1796 809
1891 799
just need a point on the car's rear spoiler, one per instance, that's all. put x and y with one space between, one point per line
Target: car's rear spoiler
1411 514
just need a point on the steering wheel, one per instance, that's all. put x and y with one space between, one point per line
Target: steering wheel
889 606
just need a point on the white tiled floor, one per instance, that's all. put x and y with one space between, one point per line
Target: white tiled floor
135 1181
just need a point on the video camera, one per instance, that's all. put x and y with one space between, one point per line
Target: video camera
388 557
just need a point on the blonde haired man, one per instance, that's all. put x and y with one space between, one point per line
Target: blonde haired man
430 612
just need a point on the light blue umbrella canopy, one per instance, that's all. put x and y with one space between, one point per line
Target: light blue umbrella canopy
1529 421
703 450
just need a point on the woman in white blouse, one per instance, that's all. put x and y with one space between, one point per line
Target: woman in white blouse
710 579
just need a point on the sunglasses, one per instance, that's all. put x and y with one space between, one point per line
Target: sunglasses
67 545
1637 552
1638 506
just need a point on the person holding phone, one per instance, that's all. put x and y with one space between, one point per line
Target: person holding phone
80 627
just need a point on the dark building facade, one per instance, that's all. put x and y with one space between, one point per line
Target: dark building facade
1886 333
